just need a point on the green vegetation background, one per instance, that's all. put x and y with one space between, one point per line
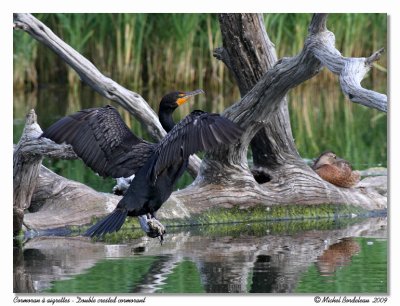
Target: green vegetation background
156 53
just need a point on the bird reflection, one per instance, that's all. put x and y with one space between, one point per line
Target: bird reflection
336 256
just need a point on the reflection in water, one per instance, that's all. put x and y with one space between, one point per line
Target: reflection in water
157 274
221 278
265 276
337 255
22 280
189 261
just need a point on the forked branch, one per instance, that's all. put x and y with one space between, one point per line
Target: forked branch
351 70
88 73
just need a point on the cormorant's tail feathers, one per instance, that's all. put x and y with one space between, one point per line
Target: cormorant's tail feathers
111 223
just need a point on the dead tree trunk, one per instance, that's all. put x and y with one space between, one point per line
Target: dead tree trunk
289 179
273 143
248 52
25 172
224 177
27 161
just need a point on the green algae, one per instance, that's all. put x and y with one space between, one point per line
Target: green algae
257 220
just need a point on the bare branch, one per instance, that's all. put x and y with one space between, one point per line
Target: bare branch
105 86
88 73
318 23
225 180
263 99
46 147
350 70
374 57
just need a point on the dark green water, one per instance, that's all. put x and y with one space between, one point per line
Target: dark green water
338 256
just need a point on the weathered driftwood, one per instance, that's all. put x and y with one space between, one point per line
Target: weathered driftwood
58 202
27 159
105 86
290 180
249 53
52 200
249 40
225 178
25 171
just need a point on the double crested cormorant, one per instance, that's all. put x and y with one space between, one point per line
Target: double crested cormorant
336 171
104 142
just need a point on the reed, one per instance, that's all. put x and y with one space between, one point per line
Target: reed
149 48
25 53
322 118
155 53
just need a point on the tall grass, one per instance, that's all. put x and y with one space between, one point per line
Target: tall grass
156 53
163 49
25 54
321 116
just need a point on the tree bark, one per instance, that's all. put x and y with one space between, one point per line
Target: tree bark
25 172
289 179
57 202
108 88
264 103
27 160
224 178
244 37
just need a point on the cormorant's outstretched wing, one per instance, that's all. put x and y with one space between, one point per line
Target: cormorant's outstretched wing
101 138
199 131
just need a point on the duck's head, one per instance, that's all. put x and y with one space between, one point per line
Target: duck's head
326 158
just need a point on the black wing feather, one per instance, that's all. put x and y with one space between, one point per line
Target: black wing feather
199 131
102 140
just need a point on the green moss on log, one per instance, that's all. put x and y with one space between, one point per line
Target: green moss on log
277 213
257 220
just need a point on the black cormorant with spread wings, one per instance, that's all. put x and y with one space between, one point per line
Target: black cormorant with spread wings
103 141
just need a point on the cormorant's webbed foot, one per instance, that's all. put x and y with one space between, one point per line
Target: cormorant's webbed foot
152 227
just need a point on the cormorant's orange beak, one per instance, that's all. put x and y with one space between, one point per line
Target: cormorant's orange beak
183 97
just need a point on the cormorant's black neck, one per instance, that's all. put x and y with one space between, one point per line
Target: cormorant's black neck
165 117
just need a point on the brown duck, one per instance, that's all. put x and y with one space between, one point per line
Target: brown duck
335 170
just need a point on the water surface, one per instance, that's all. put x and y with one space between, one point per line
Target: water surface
338 256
